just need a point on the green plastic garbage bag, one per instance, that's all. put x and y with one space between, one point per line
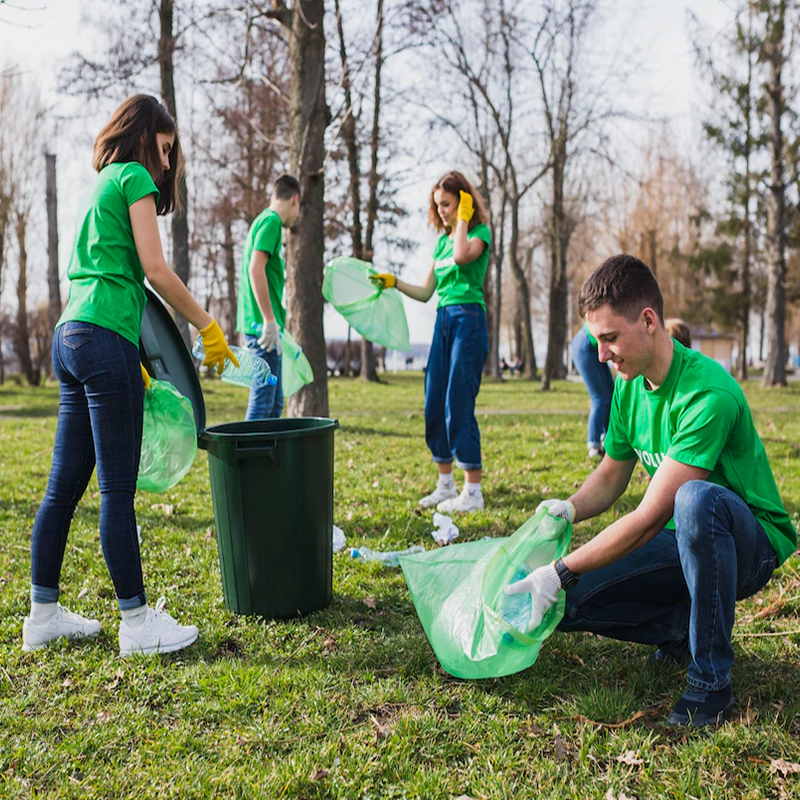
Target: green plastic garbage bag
377 314
169 438
459 590
296 370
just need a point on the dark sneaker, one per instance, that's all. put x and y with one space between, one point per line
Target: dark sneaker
674 655
698 707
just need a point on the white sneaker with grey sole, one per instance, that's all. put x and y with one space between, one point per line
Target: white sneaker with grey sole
439 494
159 633
464 502
63 624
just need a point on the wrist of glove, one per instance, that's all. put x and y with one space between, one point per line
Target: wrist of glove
543 585
270 338
216 348
558 508
145 377
465 207
385 280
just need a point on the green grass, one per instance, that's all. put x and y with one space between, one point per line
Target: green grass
350 702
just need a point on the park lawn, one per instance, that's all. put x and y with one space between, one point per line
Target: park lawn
350 702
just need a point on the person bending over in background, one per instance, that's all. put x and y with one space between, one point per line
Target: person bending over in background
711 528
96 360
260 315
460 339
679 331
600 384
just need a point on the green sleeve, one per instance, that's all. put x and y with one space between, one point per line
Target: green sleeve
481 232
617 444
268 236
703 428
136 183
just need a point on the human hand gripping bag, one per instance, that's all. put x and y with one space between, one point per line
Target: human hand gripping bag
459 595
376 313
169 438
296 369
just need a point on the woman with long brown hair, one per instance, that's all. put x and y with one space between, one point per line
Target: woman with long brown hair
96 360
460 340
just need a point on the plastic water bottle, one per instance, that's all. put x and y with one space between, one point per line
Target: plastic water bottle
390 558
515 609
252 370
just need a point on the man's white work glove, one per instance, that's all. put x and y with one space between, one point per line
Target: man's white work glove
270 337
558 508
544 585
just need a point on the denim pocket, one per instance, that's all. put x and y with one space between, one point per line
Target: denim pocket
75 337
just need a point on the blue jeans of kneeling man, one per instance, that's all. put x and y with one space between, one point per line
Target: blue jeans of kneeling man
266 402
685 581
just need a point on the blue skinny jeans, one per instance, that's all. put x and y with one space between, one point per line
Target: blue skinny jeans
682 582
599 382
99 423
452 382
266 402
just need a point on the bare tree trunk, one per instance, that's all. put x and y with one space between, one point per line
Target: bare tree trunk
308 118
21 337
230 275
554 367
52 242
775 365
180 219
368 370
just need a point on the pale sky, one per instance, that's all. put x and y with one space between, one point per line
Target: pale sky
37 38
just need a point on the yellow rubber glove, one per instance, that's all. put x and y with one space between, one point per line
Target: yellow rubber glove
145 377
216 347
465 208
384 279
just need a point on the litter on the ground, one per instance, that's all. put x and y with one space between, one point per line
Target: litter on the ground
339 539
445 530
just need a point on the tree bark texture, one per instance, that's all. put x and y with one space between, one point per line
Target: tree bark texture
52 241
554 367
230 277
21 338
775 364
180 219
309 116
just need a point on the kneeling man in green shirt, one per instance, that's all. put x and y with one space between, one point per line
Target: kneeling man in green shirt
711 528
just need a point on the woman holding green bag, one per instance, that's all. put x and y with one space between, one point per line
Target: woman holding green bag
460 340
96 360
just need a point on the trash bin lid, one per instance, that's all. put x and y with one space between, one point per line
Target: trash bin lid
166 358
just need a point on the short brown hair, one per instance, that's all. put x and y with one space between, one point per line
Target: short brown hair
130 135
679 330
286 187
455 182
624 283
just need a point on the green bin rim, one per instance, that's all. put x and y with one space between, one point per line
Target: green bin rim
282 428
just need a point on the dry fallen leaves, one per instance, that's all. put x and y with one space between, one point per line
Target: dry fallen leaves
784 767
629 757
370 602
319 774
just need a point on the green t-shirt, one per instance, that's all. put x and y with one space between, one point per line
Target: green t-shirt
699 416
592 339
106 280
264 235
455 284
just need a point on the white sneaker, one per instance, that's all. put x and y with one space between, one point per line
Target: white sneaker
466 501
63 623
159 633
439 494
596 452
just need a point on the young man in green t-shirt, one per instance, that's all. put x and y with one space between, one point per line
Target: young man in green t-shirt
711 527
260 313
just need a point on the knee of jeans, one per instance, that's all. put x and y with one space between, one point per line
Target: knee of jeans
693 497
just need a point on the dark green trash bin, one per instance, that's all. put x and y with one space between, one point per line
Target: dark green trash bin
272 490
